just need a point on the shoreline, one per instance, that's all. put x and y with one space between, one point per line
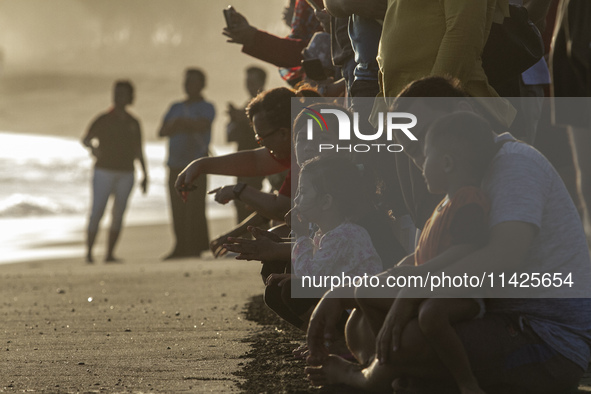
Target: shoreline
53 237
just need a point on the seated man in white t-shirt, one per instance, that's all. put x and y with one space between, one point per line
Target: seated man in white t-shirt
521 345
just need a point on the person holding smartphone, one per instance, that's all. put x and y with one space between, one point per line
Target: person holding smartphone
281 52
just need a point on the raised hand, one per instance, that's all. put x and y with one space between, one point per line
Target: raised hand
241 31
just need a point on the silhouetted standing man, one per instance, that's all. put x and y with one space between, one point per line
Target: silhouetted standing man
187 124
115 140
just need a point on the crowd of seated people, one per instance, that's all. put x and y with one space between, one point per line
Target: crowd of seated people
464 196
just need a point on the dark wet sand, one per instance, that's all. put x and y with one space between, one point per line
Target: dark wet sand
145 325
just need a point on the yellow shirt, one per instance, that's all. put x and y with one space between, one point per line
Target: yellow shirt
423 38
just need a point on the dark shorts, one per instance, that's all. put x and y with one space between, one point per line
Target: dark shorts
507 357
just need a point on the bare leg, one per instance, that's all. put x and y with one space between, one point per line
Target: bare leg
375 303
416 358
91 236
361 341
436 317
113 237
102 184
374 311
121 195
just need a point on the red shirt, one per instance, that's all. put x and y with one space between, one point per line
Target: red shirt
287 52
288 163
461 220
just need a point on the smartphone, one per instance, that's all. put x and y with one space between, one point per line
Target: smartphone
314 69
228 16
314 6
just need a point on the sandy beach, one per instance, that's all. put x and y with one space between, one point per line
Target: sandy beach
143 325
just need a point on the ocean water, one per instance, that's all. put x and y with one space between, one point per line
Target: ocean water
53 82
45 195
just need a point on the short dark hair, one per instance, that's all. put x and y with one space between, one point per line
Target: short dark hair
275 104
304 89
466 137
436 86
258 72
126 84
196 72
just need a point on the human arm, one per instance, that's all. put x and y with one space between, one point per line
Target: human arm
402 311
255 162
265 246
239 31
273 206
89 140
282 52
373 9
139 155
518 187
508 245
217 246
279 51
518 190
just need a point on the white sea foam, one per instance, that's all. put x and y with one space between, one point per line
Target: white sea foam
20 205
45 191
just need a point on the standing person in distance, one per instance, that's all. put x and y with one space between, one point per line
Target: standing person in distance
115 140
187 124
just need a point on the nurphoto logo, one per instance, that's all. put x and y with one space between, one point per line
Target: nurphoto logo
402 121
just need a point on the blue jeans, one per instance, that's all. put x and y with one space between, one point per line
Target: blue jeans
104 184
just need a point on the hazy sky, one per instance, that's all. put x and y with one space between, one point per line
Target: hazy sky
148 36
70 46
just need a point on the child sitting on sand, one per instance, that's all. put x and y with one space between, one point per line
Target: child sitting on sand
330 195
458 151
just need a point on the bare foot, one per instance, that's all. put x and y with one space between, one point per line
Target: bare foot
340 348
89 259
112 259
301 352
334 370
